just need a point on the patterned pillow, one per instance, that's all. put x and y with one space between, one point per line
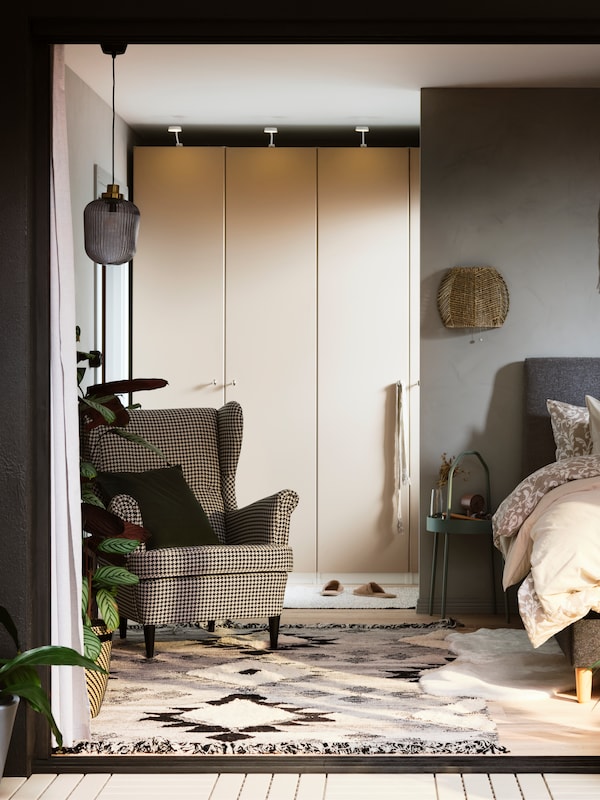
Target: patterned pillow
169 508
593 407
571 429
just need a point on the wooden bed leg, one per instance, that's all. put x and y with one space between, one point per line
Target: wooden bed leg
583 684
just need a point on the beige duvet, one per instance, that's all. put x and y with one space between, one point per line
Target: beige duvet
548 530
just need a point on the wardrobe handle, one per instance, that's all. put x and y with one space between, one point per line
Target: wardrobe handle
232 383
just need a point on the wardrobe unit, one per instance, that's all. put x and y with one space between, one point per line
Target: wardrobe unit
279 277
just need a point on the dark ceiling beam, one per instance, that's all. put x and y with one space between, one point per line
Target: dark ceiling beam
321 31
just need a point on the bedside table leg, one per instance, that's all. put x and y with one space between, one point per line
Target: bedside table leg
433 567
445 575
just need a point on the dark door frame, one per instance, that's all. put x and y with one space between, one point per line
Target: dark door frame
293 26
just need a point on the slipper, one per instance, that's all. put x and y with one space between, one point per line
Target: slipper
372 589
331 588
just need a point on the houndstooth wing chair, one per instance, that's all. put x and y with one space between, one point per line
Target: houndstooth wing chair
242 570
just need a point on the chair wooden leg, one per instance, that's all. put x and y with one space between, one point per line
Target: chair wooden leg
274 631
122 627
149 634
583 684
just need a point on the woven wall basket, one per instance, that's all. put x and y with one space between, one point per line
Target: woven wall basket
473 297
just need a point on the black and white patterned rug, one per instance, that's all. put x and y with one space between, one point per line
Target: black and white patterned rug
328 690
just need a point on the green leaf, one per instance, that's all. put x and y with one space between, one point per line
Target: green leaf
134 437
37 698
87 470
85 596
91 643
90 497
7 621
47 655
19 675
108 415
120 546
113 576
108 609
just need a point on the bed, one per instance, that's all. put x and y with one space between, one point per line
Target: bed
548 528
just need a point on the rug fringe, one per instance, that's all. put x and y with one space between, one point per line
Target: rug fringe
446 622
160 746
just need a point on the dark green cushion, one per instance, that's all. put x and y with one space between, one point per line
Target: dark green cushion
170 511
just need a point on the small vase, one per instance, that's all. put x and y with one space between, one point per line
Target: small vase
436 503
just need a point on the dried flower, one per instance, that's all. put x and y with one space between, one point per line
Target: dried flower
445 470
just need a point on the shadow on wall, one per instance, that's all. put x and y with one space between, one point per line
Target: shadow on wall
429 309
505 414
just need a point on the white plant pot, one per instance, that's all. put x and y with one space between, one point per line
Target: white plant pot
8 712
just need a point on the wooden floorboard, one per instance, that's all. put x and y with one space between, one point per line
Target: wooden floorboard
449 786
311 787
266 786
573 787
125 786
533 786
384 787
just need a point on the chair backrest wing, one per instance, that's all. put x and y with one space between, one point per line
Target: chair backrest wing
204 441
231 426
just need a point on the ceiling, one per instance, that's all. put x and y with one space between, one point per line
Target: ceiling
229 88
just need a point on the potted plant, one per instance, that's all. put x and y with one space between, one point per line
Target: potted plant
107 539
19 679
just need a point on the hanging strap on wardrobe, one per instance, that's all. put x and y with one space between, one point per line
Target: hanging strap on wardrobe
401 476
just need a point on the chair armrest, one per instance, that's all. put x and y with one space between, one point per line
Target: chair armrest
266 521
125 507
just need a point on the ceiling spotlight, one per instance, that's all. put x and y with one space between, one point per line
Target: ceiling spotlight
271 132
362 129
176 129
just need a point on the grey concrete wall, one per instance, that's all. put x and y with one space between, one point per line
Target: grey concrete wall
509 178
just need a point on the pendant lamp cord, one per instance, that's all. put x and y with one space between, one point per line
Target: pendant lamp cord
114 57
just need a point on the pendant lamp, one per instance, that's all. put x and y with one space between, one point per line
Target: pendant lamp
110 223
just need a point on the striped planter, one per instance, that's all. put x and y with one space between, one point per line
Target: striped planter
96 682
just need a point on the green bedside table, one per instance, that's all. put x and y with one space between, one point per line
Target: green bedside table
449 526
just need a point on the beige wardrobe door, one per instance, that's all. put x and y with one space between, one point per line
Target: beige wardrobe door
177 305
363 290
271 327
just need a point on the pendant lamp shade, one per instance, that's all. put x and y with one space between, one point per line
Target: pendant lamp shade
110 223
111 226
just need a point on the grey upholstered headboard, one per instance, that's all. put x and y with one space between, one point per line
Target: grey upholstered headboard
565 379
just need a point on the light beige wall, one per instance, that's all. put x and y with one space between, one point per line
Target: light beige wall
89 130
315 313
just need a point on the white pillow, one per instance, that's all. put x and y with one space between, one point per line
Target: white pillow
593 407
571 429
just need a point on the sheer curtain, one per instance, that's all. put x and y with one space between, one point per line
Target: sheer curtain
69 695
